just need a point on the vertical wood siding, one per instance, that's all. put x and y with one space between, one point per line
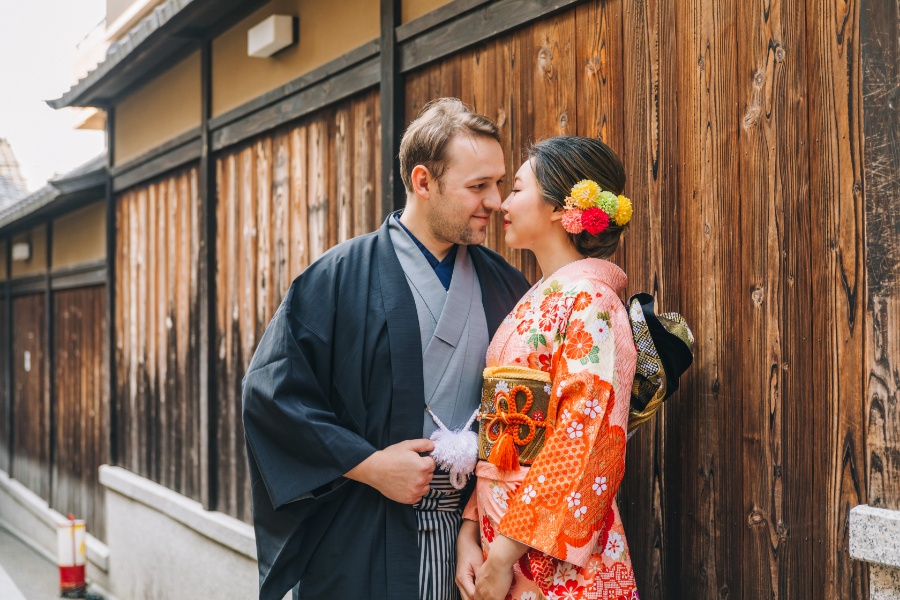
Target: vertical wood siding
157 331
31 431
741 132
881 65
82 423
283 199
741 129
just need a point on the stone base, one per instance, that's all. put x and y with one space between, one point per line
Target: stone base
164 545
875 539
884 583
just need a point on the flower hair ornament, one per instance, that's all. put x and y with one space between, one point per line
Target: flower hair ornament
588 208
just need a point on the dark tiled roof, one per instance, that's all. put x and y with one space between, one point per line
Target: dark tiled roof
89 176
162 38
122 48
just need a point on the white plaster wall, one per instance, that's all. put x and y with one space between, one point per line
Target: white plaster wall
157 549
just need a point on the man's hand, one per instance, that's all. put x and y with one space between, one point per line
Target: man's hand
398 472
469 558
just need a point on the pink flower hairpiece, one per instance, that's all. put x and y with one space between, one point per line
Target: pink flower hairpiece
589 208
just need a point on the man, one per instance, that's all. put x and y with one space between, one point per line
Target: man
346 500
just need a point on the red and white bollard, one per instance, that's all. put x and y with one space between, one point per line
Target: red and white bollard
71 548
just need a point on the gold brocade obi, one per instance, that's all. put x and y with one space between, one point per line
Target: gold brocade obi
517 413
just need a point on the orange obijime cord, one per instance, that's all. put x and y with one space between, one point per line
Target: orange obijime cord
509 419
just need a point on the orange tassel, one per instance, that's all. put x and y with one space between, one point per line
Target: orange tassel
504 453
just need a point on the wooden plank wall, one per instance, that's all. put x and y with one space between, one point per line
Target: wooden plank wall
31 432
82 413
881 65
283 199
741 130
157 370
4 400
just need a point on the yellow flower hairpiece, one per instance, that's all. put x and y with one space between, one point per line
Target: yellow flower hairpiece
591 209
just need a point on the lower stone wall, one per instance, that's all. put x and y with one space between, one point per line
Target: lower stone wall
875 539
164 545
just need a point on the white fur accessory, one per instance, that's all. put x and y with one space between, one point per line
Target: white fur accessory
455 451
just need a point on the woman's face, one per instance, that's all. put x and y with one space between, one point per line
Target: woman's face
526 216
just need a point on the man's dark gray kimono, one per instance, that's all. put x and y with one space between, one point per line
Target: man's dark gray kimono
337 376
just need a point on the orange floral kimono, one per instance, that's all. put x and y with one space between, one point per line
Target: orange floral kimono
574 326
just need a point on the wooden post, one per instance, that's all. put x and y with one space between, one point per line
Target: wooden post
880 29
207 281
9 357
111 250
393 194
48 363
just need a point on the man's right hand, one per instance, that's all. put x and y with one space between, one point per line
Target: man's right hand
398 472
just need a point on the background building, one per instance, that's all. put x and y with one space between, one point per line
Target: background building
762 150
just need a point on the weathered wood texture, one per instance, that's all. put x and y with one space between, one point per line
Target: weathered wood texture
741 129
881 101
283 199
82 423
4 391
31 407
157 323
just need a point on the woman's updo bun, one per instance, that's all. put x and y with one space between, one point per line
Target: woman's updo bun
561 162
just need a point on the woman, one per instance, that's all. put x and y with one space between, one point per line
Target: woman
555 409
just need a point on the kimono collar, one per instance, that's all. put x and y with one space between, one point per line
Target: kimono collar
442 268
607 272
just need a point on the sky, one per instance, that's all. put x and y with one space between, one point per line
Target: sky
38 41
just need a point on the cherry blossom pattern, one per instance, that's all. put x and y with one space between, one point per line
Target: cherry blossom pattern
575 430
528 494
615 545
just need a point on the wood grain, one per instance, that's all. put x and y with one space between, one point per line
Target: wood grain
762 213
81 439
283 199
157 332
31 432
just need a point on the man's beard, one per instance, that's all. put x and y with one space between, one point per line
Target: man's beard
452 232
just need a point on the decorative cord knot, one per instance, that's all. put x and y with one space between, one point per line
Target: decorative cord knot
508 421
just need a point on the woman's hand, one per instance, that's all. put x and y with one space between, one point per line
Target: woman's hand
469 558
494 578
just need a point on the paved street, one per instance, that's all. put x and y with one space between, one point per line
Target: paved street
25 574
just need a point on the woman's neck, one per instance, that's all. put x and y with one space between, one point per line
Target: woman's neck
556 255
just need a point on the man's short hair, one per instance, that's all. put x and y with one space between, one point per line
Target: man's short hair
426 139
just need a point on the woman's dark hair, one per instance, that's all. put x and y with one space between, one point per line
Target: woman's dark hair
561 162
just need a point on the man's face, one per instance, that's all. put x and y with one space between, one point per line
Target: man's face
460 208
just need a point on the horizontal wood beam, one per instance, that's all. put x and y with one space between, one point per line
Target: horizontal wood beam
354 80
174 158
30 284
164 148
474 27
86 275
435 18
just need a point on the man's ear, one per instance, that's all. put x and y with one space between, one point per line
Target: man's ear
422 181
